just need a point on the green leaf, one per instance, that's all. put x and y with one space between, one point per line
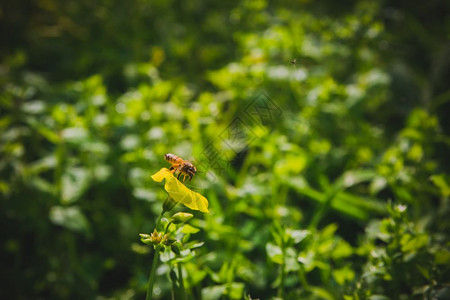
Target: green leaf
69 217
412 244
442 257
354 177
291 260
379 297
48 133
75 135
213 292
298 235
441 182
322 293
274 252
342 250
188 229
343 275
75 181
235 290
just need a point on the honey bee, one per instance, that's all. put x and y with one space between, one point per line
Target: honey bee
182 166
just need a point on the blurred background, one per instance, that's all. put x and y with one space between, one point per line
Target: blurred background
322 129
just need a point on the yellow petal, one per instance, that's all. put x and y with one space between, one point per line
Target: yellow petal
161 174
179 192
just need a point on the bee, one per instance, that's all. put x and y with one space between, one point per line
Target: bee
294 61
182 166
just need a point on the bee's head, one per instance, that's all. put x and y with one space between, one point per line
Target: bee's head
189 168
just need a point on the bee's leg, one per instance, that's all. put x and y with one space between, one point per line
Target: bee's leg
190 177
178 177
184 178
173 168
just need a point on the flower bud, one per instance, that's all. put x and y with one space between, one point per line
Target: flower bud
169 204
156 237
181 217
145 238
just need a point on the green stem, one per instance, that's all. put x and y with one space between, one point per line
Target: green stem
180 278
174 286
281 287
323 208
302 277
151 279
159 219
60 154
167 227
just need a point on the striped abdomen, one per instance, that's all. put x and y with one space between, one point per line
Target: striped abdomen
173 159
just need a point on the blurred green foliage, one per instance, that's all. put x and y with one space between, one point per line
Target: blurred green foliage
336 187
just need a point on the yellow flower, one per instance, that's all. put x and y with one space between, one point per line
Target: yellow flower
179 192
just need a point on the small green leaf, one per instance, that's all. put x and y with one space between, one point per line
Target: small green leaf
188 229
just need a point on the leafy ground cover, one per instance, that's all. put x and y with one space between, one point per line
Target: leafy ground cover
320 131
